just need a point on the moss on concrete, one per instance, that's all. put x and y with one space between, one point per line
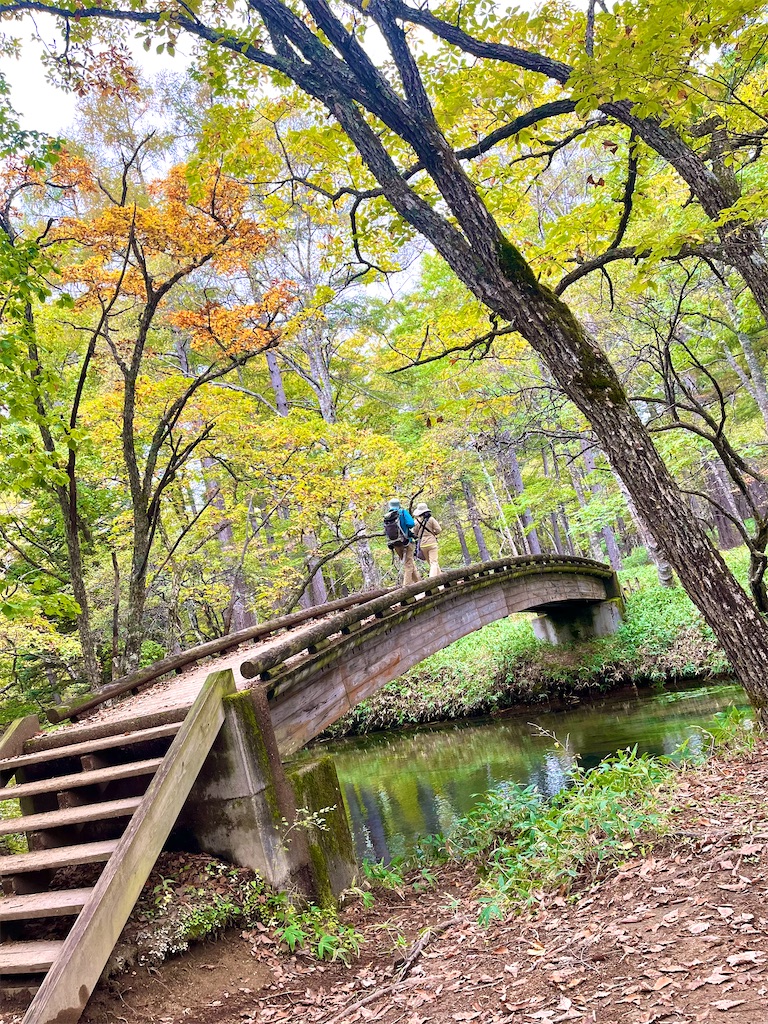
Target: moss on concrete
331 850
242 705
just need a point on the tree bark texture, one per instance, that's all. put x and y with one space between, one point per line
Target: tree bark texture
474 519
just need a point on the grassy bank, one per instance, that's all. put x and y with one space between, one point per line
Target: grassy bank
662 639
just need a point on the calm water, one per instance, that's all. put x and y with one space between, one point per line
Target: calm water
400 785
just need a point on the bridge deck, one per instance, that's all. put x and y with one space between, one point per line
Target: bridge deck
281 648
181 691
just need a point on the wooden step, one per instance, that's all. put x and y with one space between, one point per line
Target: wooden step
89 746
84 778
101 730
60 857
70 816
28 957
60 903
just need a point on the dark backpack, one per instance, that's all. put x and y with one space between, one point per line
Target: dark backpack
393 529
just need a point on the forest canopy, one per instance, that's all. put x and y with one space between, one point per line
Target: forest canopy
509 262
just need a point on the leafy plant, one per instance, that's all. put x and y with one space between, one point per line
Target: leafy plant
316 929
526 845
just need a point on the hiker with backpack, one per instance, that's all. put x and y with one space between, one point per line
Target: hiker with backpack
398 529
427 529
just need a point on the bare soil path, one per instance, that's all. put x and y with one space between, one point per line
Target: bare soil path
678 935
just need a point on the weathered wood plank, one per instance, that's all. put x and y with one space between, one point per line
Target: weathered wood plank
69 983
123 739
69 816
18 732
28 957
61 903
97 730
57 782
59 857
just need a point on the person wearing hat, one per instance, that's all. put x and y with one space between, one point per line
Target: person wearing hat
427 530
405 550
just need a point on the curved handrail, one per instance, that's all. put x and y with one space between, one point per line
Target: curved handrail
174 662
345 614
415 593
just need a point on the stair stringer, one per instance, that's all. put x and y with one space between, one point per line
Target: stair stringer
68 984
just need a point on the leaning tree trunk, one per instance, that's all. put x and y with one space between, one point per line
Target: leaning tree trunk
498 275
473 245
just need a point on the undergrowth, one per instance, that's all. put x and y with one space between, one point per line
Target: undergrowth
527 847
190 897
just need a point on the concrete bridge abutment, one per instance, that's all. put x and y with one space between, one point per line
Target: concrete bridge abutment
244 807
558 626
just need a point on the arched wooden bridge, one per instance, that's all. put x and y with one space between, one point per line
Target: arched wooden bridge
188 748
316 677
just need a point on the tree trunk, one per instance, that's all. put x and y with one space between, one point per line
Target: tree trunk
368 567
720 490
91 663
137 593
593 542
505 530
498 275
474 518
663 568
511 469
614 555
759 388
466 557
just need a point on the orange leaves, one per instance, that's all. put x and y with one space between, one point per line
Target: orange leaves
168 234
71 175
213 220
245 328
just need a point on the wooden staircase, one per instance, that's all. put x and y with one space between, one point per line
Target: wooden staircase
97 797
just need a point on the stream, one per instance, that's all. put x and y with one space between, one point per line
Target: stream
400 785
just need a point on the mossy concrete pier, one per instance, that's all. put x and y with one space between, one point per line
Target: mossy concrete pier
248 810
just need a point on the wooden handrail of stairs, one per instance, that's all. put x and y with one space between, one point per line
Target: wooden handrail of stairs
68 984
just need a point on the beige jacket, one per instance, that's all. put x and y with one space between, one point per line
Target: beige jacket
427 534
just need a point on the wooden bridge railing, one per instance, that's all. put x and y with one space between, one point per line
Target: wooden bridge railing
175 662
316 639
341 616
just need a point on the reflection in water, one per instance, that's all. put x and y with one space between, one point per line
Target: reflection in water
399 785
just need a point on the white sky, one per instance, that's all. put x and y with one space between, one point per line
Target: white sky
48 108
45 107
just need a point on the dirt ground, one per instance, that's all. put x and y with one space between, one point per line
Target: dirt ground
680 934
